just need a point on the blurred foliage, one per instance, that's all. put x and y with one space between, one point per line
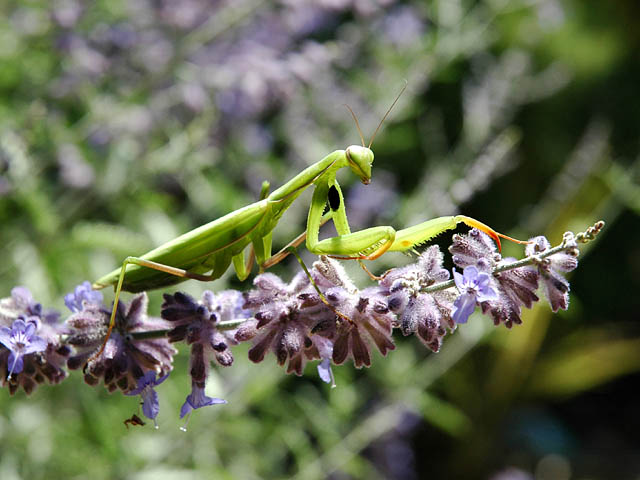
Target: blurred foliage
123 124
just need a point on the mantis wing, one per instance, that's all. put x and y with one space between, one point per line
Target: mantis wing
208 248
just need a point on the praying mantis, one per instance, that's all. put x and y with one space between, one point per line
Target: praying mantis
206 252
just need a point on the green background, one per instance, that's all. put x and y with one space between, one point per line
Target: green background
126 123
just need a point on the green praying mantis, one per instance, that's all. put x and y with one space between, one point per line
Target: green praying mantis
206 252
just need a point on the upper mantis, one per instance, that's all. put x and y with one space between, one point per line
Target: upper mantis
206 252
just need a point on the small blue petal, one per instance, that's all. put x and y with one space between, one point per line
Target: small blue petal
29 330
324 370
150 403
70 302
37 344
16 363
470 274
5 337
198 399
486 295
459 280
186 408
161 379
463 307
482 281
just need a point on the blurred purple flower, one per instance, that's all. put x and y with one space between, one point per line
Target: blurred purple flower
21 302
403 26
474 287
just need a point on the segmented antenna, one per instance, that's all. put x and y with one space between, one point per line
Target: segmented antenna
386 114
357 123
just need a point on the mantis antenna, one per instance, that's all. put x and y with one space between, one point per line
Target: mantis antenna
357 123
386 114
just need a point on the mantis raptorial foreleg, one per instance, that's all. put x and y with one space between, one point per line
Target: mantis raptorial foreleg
346 244
371 243
177 272
296 242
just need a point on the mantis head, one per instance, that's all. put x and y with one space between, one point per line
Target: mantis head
360 160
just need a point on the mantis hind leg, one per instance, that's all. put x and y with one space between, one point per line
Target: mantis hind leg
178 272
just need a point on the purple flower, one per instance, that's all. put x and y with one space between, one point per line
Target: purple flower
81 296
413 278
474 287
145 388
325 350
125 358
285 315
515 287
197 322
197 399
21 302
357 320
33 369
291 321
427 315
21 340
367 321
552 268
474 249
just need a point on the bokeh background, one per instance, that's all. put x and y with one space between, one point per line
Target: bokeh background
125 123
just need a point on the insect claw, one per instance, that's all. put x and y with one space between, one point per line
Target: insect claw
472 222
373 277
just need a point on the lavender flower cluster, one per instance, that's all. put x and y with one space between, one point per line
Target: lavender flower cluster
321 316
32 347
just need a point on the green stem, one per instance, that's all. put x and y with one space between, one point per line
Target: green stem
226 325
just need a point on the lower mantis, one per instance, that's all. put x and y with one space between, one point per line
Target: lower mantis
207 252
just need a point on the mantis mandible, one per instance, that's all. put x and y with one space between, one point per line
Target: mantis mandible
206 252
